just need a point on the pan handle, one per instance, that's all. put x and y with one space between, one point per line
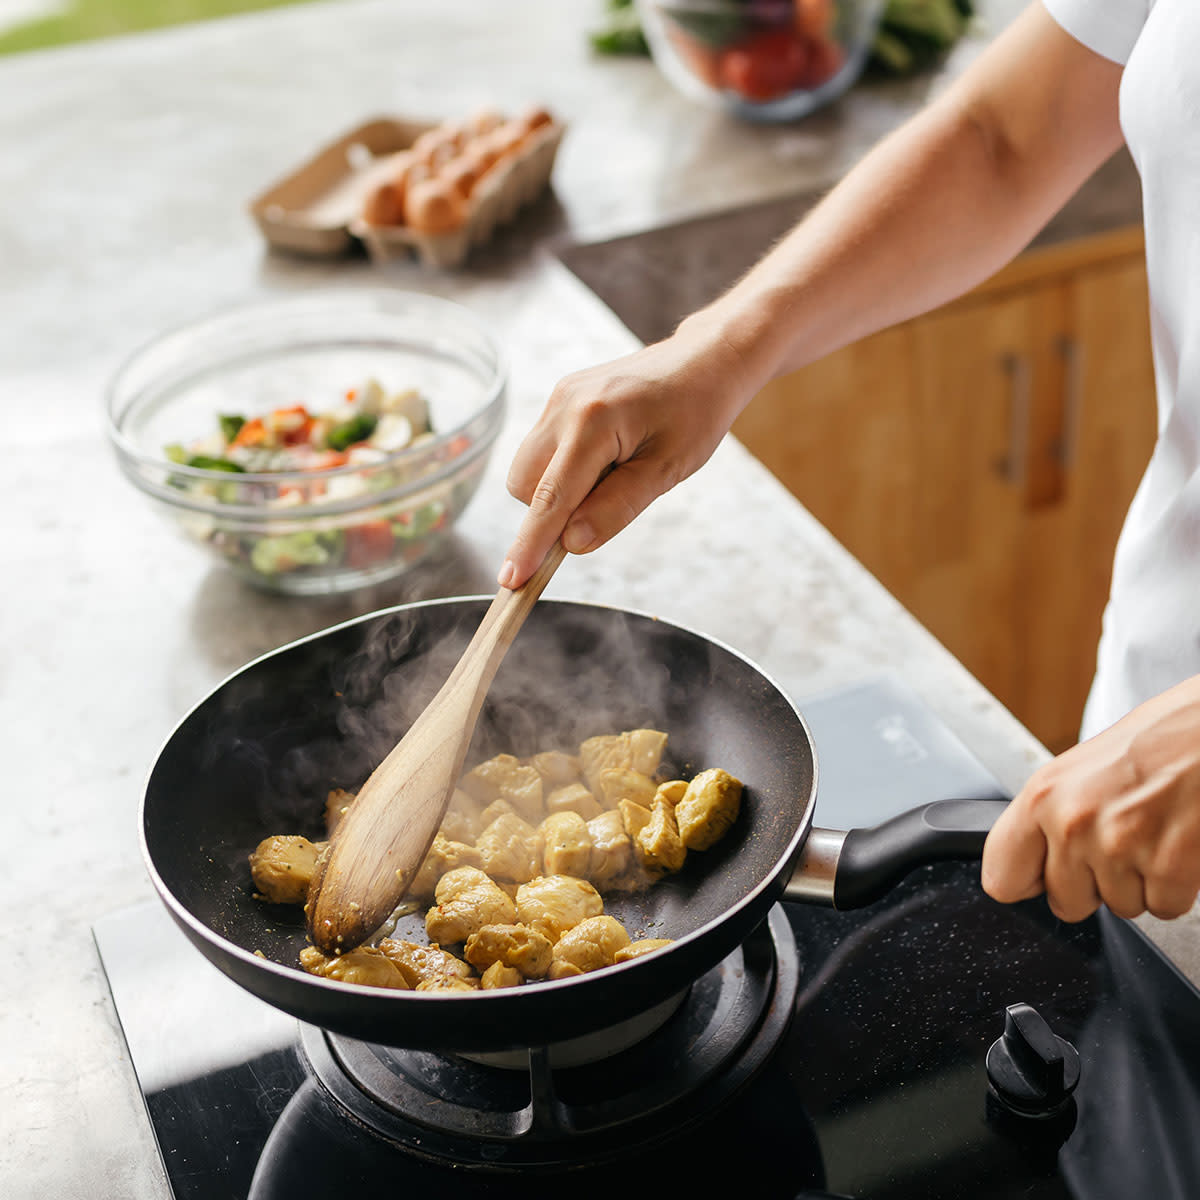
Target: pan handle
850 870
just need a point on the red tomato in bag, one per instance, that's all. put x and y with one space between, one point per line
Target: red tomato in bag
765 65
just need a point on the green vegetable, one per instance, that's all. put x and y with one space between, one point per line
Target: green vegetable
231 426
274 555
622 31
175 453
914 34
206 462
356 429
420 521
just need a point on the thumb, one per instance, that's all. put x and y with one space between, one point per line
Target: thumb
1014 856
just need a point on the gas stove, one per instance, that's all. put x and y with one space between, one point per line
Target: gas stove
935 1045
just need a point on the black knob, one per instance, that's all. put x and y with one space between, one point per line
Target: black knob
1032 1071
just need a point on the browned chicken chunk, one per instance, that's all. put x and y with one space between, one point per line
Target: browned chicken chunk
513 945
658 843
507 778
500 976
448 984
708 808
556 768
592 943
640 947
612 851
511 849
444 855
463 821
365 965
615 784
552 904
282 868
574 797
337 804
418 963
566 845
467 900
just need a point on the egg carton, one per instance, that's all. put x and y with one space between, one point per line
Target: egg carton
317 210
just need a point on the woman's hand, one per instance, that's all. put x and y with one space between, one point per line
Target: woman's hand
654 416
1114 820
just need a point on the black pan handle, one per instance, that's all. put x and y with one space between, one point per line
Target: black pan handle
850 870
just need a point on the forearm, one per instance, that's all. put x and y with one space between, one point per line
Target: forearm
934 209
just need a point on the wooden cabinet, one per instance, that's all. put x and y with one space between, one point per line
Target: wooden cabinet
979 461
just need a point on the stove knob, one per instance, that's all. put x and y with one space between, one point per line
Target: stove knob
1032 1071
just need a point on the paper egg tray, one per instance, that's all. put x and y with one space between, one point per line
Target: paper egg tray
317 209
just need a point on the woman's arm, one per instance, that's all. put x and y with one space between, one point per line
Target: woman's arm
934 209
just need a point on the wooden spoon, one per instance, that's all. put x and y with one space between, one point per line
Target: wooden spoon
378 846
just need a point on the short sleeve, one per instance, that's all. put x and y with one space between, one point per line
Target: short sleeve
1109 27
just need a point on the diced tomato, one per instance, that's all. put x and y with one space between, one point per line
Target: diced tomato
457 445
252 433
351 395
825 59
368 543
326 460
765 65
291 425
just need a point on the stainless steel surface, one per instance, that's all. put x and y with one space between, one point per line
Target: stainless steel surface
813 879
126 172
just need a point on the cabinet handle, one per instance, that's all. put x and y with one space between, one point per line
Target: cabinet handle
1072 360
1013 465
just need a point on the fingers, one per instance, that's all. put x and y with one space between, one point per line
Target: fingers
553 498
1014 856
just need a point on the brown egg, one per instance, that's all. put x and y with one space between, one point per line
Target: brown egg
385 205
433 148
535 118
462 174
433 206
483 121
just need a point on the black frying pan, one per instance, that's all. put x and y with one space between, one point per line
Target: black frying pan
258 755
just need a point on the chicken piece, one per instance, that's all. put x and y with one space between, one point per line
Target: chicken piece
364 964
574 797
282 868
447 983
500 976
467 900
603 752
635 817
561 969
552 904
497 808
646 748
658 844
418 963
708 808
612 851
443 855
511 849
337 804
556 768
640 947
672 791
463 821
566 845
615 784
506 778
516 946
592 943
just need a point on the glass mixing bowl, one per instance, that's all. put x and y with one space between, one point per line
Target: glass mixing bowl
764 60
353 514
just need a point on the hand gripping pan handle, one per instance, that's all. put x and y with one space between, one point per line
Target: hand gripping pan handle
851 870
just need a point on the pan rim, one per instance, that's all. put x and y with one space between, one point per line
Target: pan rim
773 877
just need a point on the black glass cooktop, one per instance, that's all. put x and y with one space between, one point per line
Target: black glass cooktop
861 1071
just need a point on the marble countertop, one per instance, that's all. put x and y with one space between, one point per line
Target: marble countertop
127 168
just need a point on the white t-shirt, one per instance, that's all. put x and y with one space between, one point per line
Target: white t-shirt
1151 637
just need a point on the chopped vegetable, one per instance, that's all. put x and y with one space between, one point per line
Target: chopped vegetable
362 428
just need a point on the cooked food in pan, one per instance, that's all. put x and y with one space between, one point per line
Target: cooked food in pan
516 876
